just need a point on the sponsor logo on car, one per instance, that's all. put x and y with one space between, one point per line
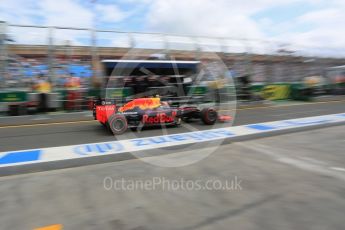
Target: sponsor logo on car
159 118
106 108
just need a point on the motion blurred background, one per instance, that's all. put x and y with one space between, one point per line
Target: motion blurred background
275 60
279 49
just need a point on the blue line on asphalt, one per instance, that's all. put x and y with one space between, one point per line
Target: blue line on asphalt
260 127
20 157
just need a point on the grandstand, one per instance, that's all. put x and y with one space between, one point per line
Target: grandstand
263 68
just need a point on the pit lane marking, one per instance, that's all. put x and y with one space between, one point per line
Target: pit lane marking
338 169
301 112
281 156
288 105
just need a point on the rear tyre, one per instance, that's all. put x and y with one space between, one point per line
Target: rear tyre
209 116
117 124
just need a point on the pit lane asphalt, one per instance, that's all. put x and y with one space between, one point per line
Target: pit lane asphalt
293 181
70 133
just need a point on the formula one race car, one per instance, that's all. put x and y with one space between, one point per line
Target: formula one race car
147 112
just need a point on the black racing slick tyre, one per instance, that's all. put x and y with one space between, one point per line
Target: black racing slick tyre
118 124
209 116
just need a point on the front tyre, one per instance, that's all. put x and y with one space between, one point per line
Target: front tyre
209 116
118 124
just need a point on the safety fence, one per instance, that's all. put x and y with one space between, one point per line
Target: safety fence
28 50
263 69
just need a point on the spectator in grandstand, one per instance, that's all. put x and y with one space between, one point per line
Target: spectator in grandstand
43 88
73 93
72 82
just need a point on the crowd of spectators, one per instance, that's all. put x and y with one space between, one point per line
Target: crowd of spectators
24 73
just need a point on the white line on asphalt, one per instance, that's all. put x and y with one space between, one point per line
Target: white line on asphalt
314 161
40 118
279 156
338 169
302 112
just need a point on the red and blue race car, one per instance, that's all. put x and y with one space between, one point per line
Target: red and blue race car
148 112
